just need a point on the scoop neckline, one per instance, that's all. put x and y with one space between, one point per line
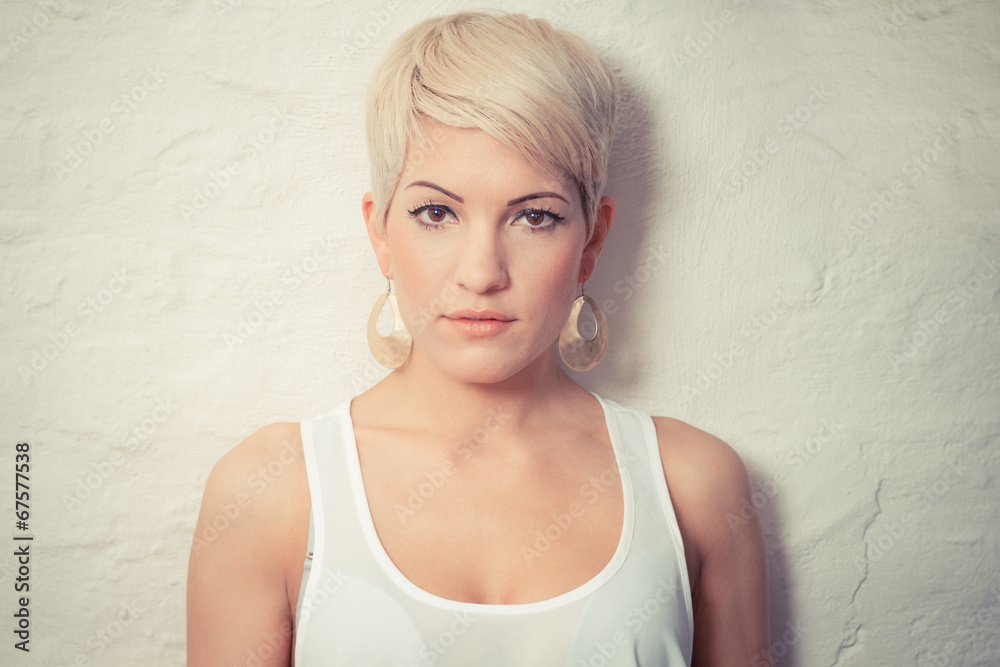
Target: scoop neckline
360 496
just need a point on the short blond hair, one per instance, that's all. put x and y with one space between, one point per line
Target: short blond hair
542 92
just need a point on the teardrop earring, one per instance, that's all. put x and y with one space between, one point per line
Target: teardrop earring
577 352
393 350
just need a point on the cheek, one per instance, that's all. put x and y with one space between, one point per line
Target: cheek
550 278
407 258
555 268
421 284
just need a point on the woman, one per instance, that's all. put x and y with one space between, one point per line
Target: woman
477 506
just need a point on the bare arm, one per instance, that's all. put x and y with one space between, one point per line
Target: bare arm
724 546
245 543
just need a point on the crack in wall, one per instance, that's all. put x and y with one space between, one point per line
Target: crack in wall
852 640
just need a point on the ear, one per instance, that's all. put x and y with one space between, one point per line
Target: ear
380 242
602 224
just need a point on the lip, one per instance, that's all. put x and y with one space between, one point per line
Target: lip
474 315
479 323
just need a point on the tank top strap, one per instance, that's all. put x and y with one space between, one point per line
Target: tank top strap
331 504
656 519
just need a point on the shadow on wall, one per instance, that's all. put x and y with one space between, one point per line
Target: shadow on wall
627 263
638 182
786 633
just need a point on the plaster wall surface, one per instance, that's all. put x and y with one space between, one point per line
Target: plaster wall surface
805 262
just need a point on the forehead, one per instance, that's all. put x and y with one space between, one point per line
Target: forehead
472 158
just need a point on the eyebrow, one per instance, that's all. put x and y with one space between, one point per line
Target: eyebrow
512 202
428 184
537 195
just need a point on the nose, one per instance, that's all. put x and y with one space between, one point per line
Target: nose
481 265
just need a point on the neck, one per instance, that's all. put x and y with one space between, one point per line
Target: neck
425 398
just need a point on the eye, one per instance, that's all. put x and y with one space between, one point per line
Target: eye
434 214
540 219
431 215
534 217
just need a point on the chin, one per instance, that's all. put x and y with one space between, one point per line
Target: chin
482 366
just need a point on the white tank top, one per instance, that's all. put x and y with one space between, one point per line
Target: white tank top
356 608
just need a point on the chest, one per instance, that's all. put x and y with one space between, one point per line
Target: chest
493 530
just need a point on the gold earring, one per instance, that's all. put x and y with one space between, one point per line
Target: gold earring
577 352
393 350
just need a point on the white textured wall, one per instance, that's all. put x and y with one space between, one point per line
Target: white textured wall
183 259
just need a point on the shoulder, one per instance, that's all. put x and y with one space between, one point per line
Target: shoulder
705 467
708 484
246 557
281 441
257 486
264 460
723 544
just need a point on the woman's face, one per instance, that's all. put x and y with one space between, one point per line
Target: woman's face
486 253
